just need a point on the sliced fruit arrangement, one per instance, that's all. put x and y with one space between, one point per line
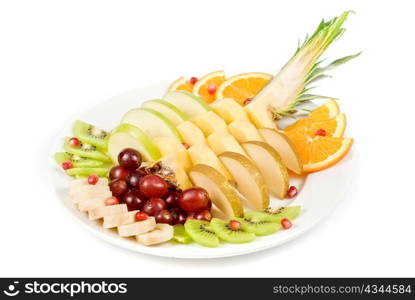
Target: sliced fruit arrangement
207 86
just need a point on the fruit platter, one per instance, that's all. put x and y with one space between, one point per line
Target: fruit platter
210 166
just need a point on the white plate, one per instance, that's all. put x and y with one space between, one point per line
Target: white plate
318 195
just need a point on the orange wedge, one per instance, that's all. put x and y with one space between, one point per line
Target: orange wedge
328 110
181 84
333 127
207 85
243 87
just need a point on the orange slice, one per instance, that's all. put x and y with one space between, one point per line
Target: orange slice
207 85
243 86
328 110
333 127
181 84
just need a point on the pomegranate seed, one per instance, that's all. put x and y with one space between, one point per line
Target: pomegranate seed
141 216
186 145
193 80
93 179
286 223
211 89
112 201
321 132
74 142
247 100
66 165
292 192
234 225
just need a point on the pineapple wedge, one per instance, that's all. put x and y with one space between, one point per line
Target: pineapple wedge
221 142
172 167
209 123
244 131
168 145
229 110
192 135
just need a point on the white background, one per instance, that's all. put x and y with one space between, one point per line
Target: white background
60 57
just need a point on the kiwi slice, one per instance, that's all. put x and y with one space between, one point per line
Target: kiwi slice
180 235
257 227
77 161
201 233
83 172
85 150
226 234
274 215
91 135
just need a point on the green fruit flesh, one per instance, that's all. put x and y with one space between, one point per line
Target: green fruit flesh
201 233
85 150
274 215
171 112
258 228
77 161
190 104
226 234
90 134
180 235
81 172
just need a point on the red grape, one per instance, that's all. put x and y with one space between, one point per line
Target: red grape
119 172
171 199
153 206
179 216
153 186
129 159
164 216
133 179
118 187
133 200
194 199
203 215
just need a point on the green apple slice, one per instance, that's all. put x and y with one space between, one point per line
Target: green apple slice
249 181
129 136
270 165
221 192
188 103
153 123
171 112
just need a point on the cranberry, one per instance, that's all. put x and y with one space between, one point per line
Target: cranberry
134 200
112 201
320 132
66 165
193 80
211 89
204 215
164 216
153 186
141 216
286 223
93 179
118 172
153 206
292 192
74 142
234 225
194 199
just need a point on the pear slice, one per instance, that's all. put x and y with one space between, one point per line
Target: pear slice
221 192
209 122
221 142
249 181
191 134
270 165
285 148
244 131
229 110
202 154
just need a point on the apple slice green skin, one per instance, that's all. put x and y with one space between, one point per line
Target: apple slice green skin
249 180
188 103
171 112
153 123
129 136
222 193
285 148
274 172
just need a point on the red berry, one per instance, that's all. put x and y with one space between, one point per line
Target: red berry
321 132
234 225
74 142
153 186
141 216
93 179
112 201
204 215
67 165
211 89
193 80
286 223
292 192
247 100
194 199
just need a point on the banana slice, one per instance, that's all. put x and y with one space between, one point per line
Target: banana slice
103 211
118 220
162 233
137 227
94 202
